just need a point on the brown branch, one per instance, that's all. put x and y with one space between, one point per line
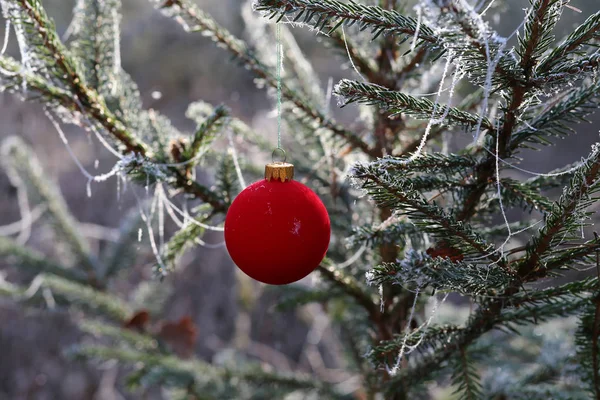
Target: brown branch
528 61
88 102
88 97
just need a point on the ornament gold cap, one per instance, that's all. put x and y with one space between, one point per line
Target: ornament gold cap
279 171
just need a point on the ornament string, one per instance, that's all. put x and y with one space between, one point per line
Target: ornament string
279 95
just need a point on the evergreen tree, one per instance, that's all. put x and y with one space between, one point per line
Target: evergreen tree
434 221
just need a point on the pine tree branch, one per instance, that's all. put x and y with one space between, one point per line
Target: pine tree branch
86 297
469 103
514 192
429 339
585 34
195 20
422 271
24 170
432 218
95 24
84 99
122 253
63 98
91 103
573 289
392 232
541 20
563 258
564 212
31 260
481 50
556 119
588 345
200 110
401 103
181 241
201 372
206 132
332 14
14 78
349 285
427 163
465 377
489 315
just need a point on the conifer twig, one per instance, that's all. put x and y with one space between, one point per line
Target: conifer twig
201 22
332 13
401 103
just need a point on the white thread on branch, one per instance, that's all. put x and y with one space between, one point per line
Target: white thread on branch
350 56
147 219
353 258
419 10
433 120
6 37
90 178
499 186
234 157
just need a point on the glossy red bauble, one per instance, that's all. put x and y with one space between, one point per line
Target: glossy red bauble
277 232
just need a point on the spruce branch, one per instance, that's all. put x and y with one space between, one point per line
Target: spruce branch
570 71
420 270
14 77
350 286
396 231
390 191
122 253
564 215
542 311
425 340
137 341
517 193
574 289
206 132
200 373
588 346
79 98
86 297
477 45
181 241
195 20
94 28
296 296
558 117
200 110
87 101
24 169
332 14
465 377
543 11
537 37
585 34
30 260
571 256
400 103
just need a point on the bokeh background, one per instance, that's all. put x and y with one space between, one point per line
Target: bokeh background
172 69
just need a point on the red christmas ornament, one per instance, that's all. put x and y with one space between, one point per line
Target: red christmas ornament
277 230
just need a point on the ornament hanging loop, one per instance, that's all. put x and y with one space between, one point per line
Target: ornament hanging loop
279 170
282 153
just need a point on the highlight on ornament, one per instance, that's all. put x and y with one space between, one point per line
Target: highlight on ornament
277 230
